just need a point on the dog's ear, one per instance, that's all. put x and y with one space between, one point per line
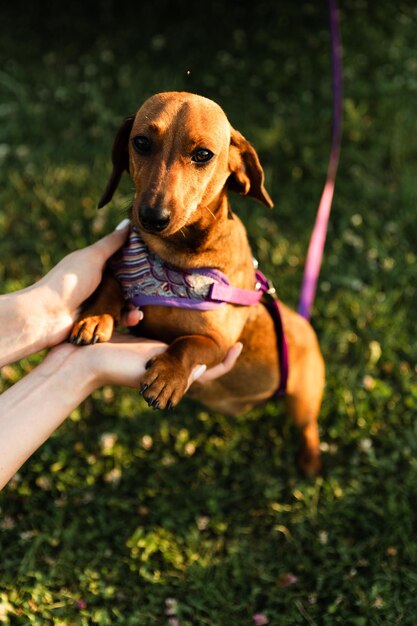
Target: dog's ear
247 175
120 160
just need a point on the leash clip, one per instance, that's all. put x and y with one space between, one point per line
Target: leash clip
269 294
267 288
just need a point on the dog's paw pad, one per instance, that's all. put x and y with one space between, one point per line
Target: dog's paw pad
91 330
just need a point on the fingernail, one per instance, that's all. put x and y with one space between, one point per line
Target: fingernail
199 371
239 348
141 316
122 224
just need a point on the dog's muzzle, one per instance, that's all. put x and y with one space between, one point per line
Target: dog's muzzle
154 219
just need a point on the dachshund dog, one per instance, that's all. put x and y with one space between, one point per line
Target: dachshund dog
183 157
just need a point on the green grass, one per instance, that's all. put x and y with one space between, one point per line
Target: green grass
124 508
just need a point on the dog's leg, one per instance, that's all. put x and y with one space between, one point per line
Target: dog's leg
305 417
99 313
303 401
166 380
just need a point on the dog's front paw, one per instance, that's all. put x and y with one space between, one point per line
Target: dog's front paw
90 330
164 383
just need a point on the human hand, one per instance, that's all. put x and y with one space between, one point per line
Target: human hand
122 361
60 293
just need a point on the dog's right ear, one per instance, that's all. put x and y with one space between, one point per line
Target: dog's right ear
120 160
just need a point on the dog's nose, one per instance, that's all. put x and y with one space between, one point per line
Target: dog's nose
154 219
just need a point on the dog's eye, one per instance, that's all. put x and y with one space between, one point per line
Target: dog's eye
141 144
202 155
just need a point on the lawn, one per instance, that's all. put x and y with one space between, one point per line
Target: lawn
136 518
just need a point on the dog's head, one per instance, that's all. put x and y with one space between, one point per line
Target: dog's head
181 153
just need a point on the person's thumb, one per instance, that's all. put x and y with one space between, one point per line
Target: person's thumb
109 244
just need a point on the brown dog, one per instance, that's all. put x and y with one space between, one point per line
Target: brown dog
183 157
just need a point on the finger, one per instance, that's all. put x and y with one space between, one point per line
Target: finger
123 224
195 374
131 317
109 244
224 367
232 356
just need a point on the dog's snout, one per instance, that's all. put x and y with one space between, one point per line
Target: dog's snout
154 219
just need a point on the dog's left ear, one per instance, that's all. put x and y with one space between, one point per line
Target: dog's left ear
247 175
120 160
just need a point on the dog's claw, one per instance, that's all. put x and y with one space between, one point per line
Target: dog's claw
148 400
77 340
152 402
169 405
143 388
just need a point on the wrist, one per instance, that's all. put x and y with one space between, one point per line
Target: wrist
72 365
51 322
27 323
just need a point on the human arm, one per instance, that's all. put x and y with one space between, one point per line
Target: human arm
36 406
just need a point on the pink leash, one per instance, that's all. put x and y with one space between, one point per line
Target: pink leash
318 237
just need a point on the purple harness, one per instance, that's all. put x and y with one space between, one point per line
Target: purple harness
148 280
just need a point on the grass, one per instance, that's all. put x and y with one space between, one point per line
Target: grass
123 509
